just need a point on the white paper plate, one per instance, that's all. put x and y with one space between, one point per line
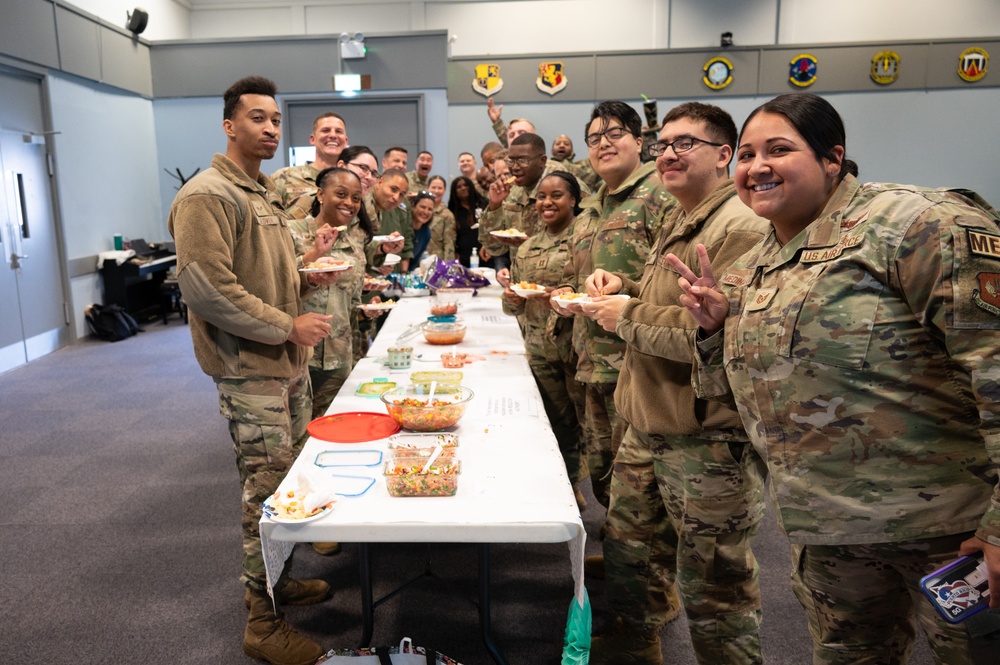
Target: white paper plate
377 307
512 236
392 259
332 268
386 238
285 520
524 293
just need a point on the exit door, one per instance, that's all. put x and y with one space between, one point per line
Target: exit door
32 299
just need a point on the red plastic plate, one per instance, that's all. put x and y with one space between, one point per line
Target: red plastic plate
353 427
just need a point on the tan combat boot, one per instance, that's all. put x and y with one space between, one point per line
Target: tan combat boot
326 549
625 645
296 592
269 638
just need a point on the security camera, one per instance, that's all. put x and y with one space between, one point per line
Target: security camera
726 39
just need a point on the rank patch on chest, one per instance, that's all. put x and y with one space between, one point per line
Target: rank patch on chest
984 244
761 299
987 296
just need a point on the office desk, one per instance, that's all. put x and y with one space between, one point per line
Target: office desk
136 286
513 486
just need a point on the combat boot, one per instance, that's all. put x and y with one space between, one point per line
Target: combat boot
296 592
593 567
326 549
269 638
626 645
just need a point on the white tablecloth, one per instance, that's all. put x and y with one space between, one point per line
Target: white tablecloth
513 485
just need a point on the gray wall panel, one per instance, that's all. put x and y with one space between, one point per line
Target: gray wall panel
28 31
207 69
125 62
400 62
79 44
297 65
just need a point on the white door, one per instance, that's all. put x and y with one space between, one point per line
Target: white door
33 315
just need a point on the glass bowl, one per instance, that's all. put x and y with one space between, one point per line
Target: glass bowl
444 333
408 406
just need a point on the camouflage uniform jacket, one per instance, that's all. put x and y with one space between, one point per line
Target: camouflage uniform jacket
541 260
517 212
236 267
339 300
615 232
660 332
384 222
297 188
863 359
443 233
415 184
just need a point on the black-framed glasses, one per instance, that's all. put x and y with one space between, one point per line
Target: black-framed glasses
613 134
365 169
680 146
520 161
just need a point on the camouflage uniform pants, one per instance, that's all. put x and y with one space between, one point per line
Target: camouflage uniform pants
326 383
562 396
687 509
602 435
267 422
862 603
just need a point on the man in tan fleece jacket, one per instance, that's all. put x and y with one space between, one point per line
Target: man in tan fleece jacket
686 487
237 270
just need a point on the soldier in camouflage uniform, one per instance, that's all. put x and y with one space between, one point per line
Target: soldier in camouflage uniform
860 343
338 194
615 232
444 230
548 339
236 267
562 153
385 207
419 178
297 184
506 134
687 488
512 206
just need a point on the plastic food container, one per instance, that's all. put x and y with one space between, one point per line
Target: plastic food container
422 445
404 477
409 406
443 306
453 359
458 294
444 333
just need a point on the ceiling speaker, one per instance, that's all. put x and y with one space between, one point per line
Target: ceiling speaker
137 20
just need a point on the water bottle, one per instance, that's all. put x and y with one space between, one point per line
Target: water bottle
474 259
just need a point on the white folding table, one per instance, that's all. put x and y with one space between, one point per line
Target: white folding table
513 486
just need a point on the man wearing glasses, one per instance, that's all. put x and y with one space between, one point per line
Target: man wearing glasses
614 233
687 485
297 184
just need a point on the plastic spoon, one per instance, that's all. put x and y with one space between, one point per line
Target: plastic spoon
434 455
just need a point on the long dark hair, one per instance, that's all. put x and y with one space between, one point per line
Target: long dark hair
363 220
816 120
475 201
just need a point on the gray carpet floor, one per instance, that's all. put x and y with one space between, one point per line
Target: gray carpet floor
120 536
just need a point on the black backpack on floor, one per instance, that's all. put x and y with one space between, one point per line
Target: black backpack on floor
110 322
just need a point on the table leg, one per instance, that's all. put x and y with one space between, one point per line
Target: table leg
484 605
367 602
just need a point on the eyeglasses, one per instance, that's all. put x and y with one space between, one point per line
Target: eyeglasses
613 134
680 146
365 169
520 161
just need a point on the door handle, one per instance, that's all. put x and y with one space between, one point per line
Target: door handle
15 260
